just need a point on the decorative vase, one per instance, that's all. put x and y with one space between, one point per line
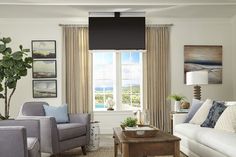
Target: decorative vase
110 109
177 105
185 105
146 117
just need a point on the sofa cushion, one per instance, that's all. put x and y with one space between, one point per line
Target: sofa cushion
33 147
201 115
215 112
189 130
70 130
227 120
221 141
196 104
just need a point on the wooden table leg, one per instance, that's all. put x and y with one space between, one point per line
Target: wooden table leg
177 151
115 148
125 150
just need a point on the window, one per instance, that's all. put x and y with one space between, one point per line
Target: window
117 76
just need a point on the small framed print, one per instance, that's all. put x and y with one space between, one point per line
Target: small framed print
44 69
43 48
44 88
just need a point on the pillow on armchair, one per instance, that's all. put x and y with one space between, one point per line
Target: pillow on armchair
60 113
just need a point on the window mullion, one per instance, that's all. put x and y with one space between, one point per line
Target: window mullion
118 81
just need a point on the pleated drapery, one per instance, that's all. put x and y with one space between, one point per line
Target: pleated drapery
158 75
78 69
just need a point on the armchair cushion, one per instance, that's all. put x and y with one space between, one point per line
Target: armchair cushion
60 113
33 109
71 130
33 147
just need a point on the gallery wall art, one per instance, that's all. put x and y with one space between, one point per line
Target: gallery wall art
44 88
204 57
44 69
43 48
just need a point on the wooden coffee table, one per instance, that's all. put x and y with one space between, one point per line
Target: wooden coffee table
162 144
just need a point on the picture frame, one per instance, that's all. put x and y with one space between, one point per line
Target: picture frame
44 69
43 49
44 88
204 57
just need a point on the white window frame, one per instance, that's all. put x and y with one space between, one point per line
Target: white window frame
117 90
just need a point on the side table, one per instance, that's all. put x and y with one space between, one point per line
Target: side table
94 136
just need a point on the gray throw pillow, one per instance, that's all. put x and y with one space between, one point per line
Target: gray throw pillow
215 112
196 104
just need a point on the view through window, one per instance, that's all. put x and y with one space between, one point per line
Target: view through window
117 76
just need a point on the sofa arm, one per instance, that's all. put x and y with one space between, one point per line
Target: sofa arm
13 141
178 118
32 126
49 137
83 118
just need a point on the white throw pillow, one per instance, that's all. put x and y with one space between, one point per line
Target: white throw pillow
227 120
201 115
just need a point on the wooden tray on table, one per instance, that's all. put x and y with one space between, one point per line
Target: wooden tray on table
141 131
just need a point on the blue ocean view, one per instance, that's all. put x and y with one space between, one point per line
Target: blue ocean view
105 88
100 106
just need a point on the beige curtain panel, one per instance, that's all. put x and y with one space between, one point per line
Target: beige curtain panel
158 78
78 69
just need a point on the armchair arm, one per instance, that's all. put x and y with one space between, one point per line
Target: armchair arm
49 137
83 118
32 126
13 141
178 119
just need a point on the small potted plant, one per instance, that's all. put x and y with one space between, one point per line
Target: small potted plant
110 104
178 99
129 122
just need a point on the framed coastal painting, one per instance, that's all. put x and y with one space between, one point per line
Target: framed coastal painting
204 57
43 48
44 69
44 88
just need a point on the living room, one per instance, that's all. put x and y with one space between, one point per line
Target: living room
195 22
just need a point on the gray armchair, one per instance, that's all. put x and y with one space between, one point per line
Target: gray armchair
56 138
19 138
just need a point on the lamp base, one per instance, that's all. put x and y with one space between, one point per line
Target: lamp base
197 92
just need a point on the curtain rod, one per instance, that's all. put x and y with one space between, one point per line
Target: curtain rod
73 25
159 25
85 25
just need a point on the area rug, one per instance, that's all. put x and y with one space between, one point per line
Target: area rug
106 149
101 152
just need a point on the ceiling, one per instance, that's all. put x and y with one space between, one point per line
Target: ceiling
152 8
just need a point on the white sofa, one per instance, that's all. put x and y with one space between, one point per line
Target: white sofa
199 141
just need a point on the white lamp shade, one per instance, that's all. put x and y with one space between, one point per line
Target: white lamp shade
197 77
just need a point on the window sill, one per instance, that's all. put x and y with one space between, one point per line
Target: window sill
114 112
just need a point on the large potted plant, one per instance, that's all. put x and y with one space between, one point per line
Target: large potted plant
13 66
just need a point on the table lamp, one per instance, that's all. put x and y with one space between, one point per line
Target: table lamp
197 78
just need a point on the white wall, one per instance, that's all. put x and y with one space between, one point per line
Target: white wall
111 119
184 32
234 54
201 33
22 32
